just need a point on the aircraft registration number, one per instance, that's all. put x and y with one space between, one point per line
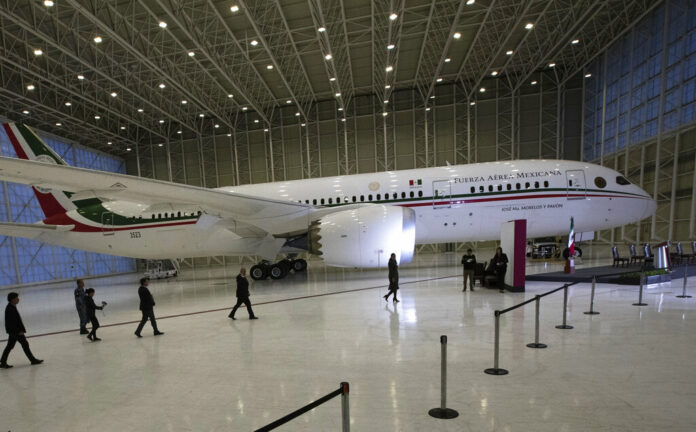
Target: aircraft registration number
134 234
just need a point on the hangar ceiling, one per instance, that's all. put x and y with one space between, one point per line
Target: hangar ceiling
107 73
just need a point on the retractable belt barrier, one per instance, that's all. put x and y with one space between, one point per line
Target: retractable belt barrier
342 391
443 412
686 274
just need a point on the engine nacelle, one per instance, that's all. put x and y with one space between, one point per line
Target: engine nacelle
365 236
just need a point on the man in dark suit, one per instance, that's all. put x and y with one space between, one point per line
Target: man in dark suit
393 278
500 261
242 295
147 303
469 263
15 329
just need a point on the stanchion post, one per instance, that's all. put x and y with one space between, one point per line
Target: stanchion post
536 344
565 326
683 294
345 407
640 290
495 370
443 412
592 311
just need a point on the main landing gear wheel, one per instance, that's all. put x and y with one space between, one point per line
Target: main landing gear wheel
279 270
259 271
299 265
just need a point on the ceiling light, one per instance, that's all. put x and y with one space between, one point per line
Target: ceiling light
390 46
269 67
179 132
494 73
256 120
384 114
588 75
254 42
340 108
389 68
457 35
328 57
48 3
297 114
59 124
114 94
427 109
529 26
343 119
432 97
128 149
123 128
393 16
25 112
184 102
80 77
97 39
140 110
508 52
191 53
162 85
162 24
387 86
321 29
575 41
217 126
472 103
96 117
288 101
160 145
161 121
470 2
265 130
332 79
229 134
244 108
201 115
338 95
303 124
386 101
234 8
109 143
533 83
552 64
30 87
38 52
230 95
439 80
482 89
68 104
447 60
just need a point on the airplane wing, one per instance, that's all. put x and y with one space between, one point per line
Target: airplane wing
273 216
30 231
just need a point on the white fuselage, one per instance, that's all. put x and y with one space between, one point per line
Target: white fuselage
452 204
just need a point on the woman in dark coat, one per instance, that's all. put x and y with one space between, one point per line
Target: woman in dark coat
393 278
500 261
91 309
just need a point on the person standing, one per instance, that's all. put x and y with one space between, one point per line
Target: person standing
80 305
147 304
469 263
15 329
91 308
242 295
393 278
500 261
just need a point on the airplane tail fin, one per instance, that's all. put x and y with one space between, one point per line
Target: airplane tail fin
29 146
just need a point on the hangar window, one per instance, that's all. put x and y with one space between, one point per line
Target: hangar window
600 182
420 193
622 180
500 187
322 201
536 185
490 188
411 194
518 186
526 185
362 198
546 183
369 197
508 186
330 201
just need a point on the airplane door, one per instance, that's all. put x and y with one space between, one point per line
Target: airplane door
442 193
575 184
107 223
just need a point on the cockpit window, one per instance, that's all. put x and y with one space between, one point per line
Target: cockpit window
600 182
622 180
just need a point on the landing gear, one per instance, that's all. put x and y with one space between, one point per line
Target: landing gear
278 270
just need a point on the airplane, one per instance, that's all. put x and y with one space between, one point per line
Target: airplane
353 220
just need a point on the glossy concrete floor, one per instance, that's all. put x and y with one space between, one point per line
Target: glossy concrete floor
628 369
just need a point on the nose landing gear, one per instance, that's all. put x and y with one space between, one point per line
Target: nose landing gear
278 270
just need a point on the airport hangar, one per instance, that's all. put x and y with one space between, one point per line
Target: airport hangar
216 93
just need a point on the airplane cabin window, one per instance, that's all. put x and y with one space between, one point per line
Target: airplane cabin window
570 182
403 194
322 201
481 188
153 216
622 180
395 195
508 186
546 183
362 198
369 197
490 188
330 201
314 201
159 215
500 187
379 197
526 185
536 185
473 189
420 193
354 198
518 186
411 194
178 214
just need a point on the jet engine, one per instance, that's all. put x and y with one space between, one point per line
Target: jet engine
365 236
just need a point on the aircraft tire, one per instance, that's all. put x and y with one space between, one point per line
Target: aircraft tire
299 265
278 271
259 272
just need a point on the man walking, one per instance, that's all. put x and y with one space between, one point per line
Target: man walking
147 303
469 263
393 279
80 305
15 329
242 295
